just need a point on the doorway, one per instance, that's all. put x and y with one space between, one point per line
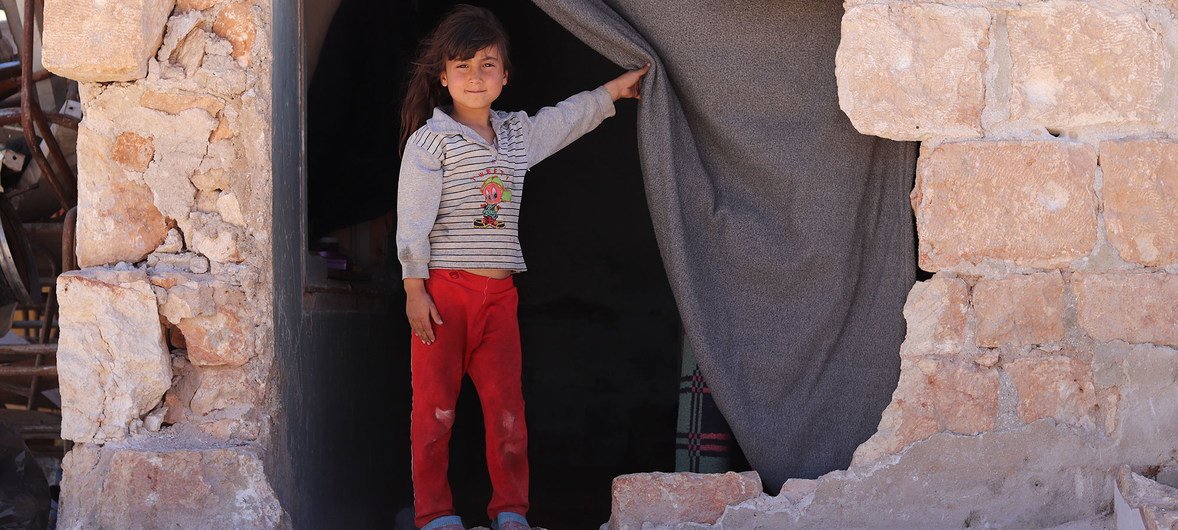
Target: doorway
600 329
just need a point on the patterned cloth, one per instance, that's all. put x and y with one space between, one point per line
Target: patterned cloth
703 442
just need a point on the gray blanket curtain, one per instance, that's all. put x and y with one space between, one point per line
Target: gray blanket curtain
786 235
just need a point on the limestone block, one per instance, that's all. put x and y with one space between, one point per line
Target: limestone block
113 364
1031 203
913 71
219 339
1140 195
193 295
180 141
230 209
236 24
1055 386
644 499
170 484
935 313
117 220
1133 307
934 395
94 40
1019 309
1077 64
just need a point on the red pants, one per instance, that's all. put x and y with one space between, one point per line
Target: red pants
479 336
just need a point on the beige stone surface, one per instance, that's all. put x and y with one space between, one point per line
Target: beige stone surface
236 24
219 339
132 151
1141 199
169 483
1019 309
935 313
1076 64
644 499
1063 388
934 395
113 364
177 102
218 240
913 71
196 5
117 220
1028 203
180 141
1133 307
96 40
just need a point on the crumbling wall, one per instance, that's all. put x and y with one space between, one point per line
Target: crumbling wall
166 353
1041 355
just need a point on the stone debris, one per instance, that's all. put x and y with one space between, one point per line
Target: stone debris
1144 504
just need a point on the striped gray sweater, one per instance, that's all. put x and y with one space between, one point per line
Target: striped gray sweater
458 197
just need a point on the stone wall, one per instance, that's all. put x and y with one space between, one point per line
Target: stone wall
166 353
1042 353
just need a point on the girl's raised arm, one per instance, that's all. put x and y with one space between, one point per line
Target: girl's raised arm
553 128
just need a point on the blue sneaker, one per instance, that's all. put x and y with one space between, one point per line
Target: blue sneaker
445 522
510 521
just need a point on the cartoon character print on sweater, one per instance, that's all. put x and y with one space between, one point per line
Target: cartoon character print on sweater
495 191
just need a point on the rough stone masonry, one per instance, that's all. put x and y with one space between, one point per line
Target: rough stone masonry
1043 354
1040 358
166 351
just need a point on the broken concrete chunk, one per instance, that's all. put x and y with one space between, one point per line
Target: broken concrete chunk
644 499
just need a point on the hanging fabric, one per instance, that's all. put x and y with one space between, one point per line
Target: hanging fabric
787 235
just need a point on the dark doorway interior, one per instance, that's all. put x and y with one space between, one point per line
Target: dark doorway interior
599 324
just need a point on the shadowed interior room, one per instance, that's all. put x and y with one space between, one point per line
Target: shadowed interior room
600 330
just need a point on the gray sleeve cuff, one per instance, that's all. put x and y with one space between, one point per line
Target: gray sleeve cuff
414 270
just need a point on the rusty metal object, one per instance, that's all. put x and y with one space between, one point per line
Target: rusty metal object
11 116
28 371
68 231
60 178
27 350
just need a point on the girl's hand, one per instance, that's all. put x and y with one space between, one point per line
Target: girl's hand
420 309
626 85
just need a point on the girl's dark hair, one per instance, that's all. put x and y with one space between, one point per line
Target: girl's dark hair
463 32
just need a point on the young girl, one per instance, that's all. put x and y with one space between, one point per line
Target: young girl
458 200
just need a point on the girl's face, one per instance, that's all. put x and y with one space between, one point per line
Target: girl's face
476 82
